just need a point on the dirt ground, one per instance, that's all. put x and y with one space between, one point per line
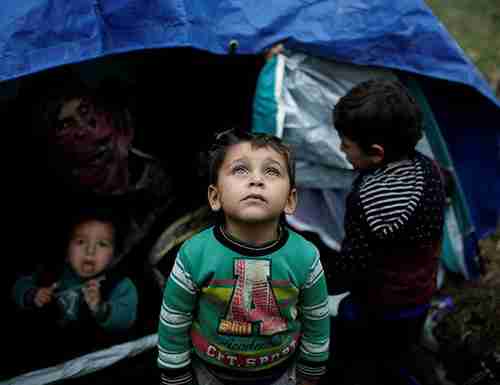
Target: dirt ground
477 305
469 333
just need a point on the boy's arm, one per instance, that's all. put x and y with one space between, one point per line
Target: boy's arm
315 341
24 291
120 311
176 316
352 263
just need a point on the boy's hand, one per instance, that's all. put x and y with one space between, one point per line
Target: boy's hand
92 294
44 295
274 50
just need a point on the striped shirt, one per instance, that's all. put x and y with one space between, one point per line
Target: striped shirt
242 309
393 224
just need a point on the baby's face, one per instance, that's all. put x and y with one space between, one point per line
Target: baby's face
91 248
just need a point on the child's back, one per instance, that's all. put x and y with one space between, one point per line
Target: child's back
393 228
394 219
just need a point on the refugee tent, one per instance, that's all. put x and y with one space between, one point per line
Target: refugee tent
197 67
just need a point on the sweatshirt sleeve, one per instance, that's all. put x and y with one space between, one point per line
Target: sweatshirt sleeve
176 316
23 288
122 307
314 345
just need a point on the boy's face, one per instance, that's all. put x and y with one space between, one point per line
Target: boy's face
253 186
91 248
358 158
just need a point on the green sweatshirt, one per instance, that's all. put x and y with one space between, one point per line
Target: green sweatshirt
243 308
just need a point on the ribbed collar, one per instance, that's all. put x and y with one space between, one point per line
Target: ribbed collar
250 250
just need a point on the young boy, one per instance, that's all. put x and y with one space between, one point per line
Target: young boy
86 296
393 226
248 296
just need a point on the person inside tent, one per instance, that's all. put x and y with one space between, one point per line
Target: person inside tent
85 300
90 134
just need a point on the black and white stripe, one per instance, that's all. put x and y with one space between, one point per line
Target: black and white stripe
390 196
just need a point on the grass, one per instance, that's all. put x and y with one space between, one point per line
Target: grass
475 25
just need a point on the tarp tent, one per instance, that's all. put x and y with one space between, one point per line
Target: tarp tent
36 35
294 99
401 36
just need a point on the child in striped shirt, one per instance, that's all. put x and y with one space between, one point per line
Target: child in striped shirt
393 227
246 302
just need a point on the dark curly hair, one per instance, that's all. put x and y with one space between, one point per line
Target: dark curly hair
382 112
228 138
101 212
109 95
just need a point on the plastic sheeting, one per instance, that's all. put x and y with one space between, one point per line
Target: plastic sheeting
300 91
295 96
39 34
401 35
86 364
311 87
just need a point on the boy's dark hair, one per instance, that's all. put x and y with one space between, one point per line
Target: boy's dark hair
225 139
101 214
53 94
109 95
380 112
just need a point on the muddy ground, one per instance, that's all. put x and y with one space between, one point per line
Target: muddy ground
468 334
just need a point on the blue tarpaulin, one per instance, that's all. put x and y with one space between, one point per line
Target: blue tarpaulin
403 35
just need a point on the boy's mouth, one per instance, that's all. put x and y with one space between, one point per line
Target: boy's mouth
88 266
255 197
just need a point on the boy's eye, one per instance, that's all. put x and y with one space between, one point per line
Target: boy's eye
239 170
104 243
78 241
273 171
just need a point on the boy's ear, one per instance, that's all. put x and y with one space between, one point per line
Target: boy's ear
214 198
377 154
291 202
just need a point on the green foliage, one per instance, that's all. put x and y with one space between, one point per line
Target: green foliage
475 25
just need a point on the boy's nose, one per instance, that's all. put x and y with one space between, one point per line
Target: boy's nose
256 180
90 250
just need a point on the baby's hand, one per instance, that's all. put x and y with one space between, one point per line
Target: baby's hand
92 294
274 50
44 295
